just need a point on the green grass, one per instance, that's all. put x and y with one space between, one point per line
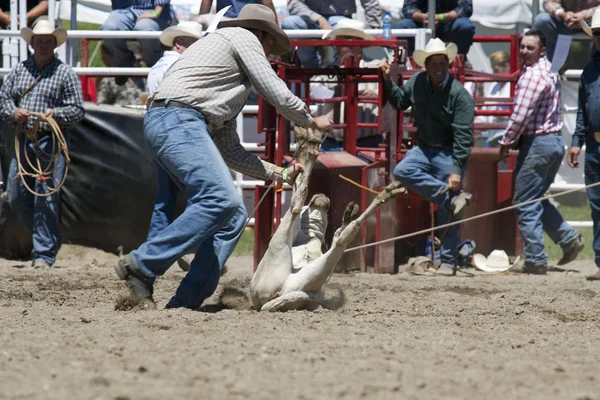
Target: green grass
245 246
569 213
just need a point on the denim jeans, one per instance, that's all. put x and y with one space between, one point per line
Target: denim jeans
164 206
126 20
537 164
425 171
215 216
309 56
592 175
40 215
460 32
551 28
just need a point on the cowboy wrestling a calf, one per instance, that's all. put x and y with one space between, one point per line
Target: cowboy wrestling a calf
294 270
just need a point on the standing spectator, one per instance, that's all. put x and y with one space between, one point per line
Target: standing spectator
136 15
563 17
325 14
35 9
236 6
443 111
535 128
452 21
177 39
41 84
191 129
587 131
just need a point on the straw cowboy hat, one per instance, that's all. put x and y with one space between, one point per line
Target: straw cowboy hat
435 46
44 27
497 261
595 23
183 29
349 27
257 16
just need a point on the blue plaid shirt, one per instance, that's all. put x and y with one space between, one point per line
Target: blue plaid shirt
138 5
464 8
59 89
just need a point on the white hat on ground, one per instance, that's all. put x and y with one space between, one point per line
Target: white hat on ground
435 46
44 27
350 28
594 25
183 29
497 261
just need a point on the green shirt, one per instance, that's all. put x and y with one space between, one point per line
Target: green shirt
444 116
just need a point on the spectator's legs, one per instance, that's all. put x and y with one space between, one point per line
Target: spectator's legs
308 55
119 20
551 28
460 32
151 48
330 144
408 23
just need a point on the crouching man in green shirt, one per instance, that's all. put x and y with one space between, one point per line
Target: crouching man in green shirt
443 111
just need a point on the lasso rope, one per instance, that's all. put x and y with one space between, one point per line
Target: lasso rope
462 221
35 170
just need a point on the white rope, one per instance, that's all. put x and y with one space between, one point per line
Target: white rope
472 218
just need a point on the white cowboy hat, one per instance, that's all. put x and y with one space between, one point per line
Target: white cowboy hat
595 23
349 27
44 27
257 16
497 261
183 29
435 46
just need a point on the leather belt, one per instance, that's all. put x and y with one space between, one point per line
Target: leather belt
171 103
434 145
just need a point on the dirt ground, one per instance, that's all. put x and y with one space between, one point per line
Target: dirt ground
399 336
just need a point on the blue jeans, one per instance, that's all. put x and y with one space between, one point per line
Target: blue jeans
551 28
215 216
330 144
460 32
164 206
309 56
125 20
592 175
537 164
425 171
40 215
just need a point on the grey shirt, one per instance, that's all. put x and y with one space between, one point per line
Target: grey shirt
313 9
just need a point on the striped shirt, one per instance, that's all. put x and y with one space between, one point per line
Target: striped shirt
58 89
464 8
215 75
537 104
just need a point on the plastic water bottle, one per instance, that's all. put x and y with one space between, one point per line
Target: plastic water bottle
387 26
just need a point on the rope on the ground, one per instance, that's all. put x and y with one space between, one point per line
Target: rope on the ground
36 171
487 214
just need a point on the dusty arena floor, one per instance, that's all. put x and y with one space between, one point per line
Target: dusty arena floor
399 337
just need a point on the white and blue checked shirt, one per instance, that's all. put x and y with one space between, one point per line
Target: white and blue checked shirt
58 89
215 75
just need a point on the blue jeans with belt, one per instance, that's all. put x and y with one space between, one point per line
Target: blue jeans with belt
425 171
215 217
592 175
537 164
40 215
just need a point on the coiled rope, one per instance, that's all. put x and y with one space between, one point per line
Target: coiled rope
34 168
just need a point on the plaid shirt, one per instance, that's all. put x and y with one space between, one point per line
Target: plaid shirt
215 75
59 89
464 8
587 6
537 103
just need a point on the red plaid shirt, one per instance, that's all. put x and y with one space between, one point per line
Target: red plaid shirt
537 104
